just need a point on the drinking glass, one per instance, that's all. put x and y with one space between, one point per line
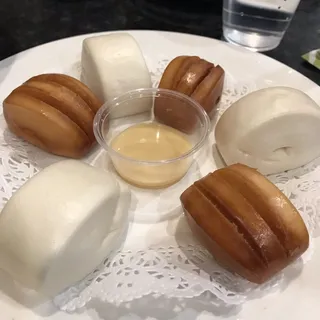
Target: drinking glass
257 24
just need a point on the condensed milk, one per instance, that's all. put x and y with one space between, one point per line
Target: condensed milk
144 145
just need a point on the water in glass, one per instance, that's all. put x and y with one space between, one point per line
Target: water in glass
257 24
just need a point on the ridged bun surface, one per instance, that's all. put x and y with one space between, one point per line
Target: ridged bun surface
54 112
246 222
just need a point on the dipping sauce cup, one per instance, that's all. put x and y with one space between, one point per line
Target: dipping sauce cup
152 136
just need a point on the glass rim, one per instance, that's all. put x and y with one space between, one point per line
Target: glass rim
106 109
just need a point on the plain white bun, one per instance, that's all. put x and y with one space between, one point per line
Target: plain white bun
273 130
60 225
112 65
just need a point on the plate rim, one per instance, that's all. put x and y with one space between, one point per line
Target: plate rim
244 50
20 55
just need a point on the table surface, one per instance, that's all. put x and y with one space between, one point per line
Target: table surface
27 23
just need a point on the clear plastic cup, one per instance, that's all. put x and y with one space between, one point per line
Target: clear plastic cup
257 24
171 116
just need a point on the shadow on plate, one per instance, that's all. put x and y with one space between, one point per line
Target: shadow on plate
206 267
25 151
25 297
217 157
28 153
162 308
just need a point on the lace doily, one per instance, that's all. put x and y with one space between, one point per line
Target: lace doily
164 258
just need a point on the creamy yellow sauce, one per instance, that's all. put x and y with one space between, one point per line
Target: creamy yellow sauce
151 142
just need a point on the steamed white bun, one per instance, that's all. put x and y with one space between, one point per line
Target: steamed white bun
273 130
112 65
60 225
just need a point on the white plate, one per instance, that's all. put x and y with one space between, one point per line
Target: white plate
245 69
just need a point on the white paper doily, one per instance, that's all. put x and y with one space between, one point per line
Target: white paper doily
160 258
